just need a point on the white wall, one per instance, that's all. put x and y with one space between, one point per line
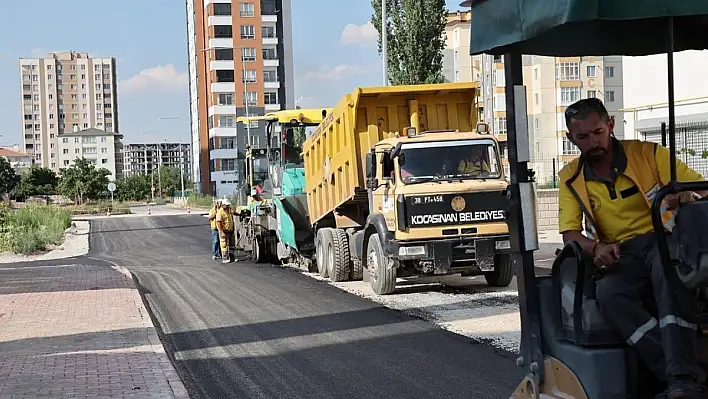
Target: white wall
646 82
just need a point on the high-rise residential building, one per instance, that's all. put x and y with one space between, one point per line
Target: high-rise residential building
141 159
240 63
552 83
63 93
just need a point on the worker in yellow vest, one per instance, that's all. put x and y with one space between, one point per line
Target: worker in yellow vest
215 243
612 185
225 224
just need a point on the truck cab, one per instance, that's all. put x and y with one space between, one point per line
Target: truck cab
440 196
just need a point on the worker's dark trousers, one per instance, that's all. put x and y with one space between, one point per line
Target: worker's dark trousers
667 344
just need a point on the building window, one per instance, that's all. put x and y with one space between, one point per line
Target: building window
247 9
223 54
535 74
249 54
569 95
226 99
569 148
249 76
567 71
609 96
500 126
228 143
609 72
228 164
226 121
270 76
269 54
252 98
591 71
535 99
223 31
222 9
268 32
592 94
248 32
270 98
224 75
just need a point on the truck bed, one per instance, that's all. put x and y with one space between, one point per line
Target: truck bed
335 152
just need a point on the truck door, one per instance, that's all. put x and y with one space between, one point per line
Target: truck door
383 196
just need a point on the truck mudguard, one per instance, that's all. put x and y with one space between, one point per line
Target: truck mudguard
376 223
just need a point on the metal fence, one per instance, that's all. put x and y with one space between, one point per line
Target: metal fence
691 142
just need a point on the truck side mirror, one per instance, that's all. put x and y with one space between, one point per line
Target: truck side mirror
401 159
371 165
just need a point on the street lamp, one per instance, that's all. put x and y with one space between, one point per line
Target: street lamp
181 160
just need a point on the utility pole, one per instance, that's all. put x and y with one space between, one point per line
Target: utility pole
384 41
181 155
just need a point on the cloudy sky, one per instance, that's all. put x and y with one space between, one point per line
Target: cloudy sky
335 51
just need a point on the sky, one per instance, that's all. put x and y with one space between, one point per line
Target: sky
334 51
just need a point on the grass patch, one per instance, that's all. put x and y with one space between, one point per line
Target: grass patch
96 209
32 228
202 201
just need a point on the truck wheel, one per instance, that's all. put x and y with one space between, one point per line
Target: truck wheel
337 255
257 251
503 271
357 273
382 278
323 236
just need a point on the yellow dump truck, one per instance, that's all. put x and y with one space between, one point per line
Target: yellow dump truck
402 182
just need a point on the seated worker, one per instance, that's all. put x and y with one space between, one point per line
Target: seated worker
225 224
473 163
612 185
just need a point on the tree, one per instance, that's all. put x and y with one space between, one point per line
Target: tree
415 31
299 136
8 177
83 181
36 181
170 179
133 188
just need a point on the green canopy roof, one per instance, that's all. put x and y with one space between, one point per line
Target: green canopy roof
586 27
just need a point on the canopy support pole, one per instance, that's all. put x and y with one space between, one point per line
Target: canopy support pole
672 100
521 217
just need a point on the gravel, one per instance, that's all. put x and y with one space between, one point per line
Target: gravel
76 243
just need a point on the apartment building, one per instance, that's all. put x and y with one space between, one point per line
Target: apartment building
19 161
139 159
240 63
552 83
102 149
63 93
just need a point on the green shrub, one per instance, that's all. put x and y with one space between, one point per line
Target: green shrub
203 201
33 228
96 210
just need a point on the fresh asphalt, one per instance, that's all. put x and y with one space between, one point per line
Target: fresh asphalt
245 330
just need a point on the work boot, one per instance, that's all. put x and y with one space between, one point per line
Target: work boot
685 388
214 257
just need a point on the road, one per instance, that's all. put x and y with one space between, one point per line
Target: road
256 331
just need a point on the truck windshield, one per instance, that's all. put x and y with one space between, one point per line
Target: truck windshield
444 160
260 171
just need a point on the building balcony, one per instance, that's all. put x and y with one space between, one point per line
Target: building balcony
223 87
271 85
222 132
272 41
223 153
221 42
220 20
269 18
224 175
271 63
207 2
222 110
221 65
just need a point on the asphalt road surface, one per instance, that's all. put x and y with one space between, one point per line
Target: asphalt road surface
243 330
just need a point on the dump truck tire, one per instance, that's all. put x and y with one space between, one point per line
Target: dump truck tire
257 253
323 237
503 271
382 278
338 260
357 273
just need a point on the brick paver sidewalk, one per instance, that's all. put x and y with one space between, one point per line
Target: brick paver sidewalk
79 331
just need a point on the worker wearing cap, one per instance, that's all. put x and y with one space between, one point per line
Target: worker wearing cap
215 242
612 185
225 224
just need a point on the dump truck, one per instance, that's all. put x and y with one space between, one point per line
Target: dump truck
403 182
275 213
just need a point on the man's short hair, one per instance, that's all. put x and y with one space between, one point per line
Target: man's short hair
580 110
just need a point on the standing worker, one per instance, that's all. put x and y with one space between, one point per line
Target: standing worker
215 244
225 225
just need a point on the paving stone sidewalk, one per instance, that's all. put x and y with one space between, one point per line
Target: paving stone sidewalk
79 331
